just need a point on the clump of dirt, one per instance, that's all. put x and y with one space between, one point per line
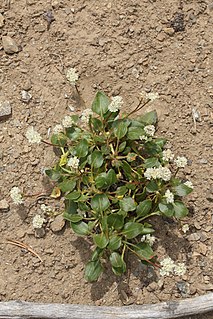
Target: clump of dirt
122 48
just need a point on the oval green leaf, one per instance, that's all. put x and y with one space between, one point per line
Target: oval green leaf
93 270
100 202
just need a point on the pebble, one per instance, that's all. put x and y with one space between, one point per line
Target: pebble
9 45
39 232
25 96
194 237
4 206
182 287
5 109
210 7
202 249
169 31
1 20
58 224
203 161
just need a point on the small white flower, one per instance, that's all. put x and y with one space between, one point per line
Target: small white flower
143 138
38 221
149 130
85 116
16 195
57 129
150 96
189 184
46 209
165 173
169 196
81 212
149 239
152 172
168 155
67 121
116 103
185 228
167 266
72 75
181 161
180 269
73 162
33 136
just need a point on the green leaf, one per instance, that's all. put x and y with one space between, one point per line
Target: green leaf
70 206
73 196
115 220
116 260
152 187
127 169
100 240
180 209
134 133
127 204
143 251
149 118
59 139
53 174
97 124
100 202
93 270
132 230
122 147
82 148
97 159
75 218
80 228
144 208
114 242
120 129
182 190
100 104
151 162
160 142
105 180
121 190
166 209
67 185
96 254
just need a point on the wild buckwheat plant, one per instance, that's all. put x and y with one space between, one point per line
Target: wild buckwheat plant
114 174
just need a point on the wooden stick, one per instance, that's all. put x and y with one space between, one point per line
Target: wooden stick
25 246
170 309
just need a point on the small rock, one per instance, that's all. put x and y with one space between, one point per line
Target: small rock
161 37
152 287
183 288
1 20
202 249
25 96
194 237
210 7
5 109
169 31
4 206
58 224
9 45
203 161
39 232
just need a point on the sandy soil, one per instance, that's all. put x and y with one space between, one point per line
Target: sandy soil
121 47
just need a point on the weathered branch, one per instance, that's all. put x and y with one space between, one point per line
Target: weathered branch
170 309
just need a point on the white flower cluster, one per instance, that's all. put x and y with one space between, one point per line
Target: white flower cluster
168 155
169 267
16 195
67 121
169 196
38 221
72 75
149 130
143 138
150 96
149 239
85 116
57 129
158 172
46 209
181 161
73 162
115 104
33 136
189 184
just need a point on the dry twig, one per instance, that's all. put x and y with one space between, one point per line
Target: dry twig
25 246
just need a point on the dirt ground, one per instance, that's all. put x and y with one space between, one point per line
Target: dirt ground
121 47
